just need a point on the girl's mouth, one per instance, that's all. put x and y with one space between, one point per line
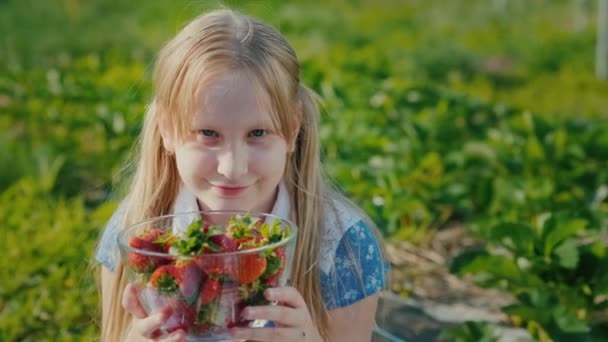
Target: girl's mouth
229 191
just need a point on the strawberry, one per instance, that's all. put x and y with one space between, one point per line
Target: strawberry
240 229
165 279
141 263
212 265
224 242
276 262
272 280
189 277
216 265
249 268
196 240
147 241
272 232
209 290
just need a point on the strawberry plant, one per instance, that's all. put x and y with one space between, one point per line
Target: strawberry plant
554 270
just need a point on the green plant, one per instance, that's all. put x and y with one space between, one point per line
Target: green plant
555 269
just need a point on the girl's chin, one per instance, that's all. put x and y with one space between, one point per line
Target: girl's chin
223 205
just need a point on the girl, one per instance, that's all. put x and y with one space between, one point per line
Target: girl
232 127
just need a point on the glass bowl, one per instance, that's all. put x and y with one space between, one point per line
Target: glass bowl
207 266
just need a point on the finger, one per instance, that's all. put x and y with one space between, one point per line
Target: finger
149 327
268 334
277 313
287 295
131 303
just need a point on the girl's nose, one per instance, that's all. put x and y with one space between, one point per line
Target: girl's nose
232 164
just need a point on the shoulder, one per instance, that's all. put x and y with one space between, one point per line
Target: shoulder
352 264
343 222
107 249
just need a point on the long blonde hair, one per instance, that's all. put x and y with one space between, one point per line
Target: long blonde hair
211 43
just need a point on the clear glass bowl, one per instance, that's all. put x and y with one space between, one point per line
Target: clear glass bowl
210 270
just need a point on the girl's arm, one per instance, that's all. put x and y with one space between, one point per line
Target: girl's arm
354 322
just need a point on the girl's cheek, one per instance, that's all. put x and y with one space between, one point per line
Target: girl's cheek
198 162
265 159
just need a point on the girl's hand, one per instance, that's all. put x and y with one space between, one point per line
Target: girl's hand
291 317
145 326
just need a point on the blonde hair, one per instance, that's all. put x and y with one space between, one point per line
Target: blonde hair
211 43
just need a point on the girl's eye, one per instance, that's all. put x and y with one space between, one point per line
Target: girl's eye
207 133
257 133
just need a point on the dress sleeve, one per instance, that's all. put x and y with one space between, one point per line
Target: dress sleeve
107 250
359 269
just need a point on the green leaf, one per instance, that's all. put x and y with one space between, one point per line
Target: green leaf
568 255
518 238
558 228
529 313
498 267
470 331
462 260
568 322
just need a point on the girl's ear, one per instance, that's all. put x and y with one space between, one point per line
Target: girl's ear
166 134
296 130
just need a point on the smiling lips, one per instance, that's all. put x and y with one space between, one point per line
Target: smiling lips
229 191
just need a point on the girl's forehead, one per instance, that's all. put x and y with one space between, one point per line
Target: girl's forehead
232 97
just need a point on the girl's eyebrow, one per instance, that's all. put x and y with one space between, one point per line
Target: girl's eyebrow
263 122
210 123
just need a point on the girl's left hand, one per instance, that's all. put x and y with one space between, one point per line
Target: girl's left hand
290 316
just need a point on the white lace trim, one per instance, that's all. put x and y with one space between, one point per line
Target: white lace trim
338 219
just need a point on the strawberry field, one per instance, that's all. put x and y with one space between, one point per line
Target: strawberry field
467 112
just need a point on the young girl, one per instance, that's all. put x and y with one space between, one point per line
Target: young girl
232 127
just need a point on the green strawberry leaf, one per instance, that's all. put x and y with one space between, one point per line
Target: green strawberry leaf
558 228
273 264
568 322
567 253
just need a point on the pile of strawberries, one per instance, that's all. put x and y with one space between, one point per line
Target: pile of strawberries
207 275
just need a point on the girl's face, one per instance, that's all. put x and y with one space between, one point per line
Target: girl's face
233 158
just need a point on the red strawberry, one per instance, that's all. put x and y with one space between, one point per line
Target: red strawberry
147 241
209 290
249 268
240 229
280 252
165 279
189 277
154 240
272 280
152 235
216 265
211 264
224 242
141 263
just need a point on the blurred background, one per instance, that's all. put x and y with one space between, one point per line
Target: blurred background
475 134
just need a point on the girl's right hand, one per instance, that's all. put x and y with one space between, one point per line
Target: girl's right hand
148 326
